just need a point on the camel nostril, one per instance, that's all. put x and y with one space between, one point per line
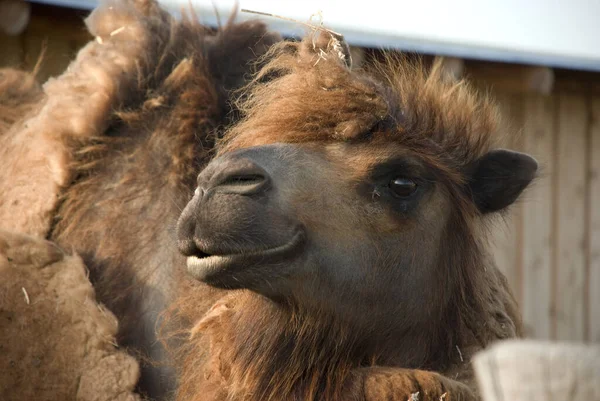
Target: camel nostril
244 178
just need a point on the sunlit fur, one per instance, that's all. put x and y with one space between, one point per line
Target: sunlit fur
133 174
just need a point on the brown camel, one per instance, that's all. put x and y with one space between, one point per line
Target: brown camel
345 219
339 239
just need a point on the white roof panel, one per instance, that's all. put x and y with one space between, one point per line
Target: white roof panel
561 33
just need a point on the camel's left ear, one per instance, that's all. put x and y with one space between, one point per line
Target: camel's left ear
499 177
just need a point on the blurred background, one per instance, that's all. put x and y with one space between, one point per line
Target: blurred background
539 58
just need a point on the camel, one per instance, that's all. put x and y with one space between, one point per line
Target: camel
345 219
334 249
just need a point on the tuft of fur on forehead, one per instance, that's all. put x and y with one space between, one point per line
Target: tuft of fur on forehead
447 119
306 92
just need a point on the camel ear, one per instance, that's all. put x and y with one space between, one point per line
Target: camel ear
499 177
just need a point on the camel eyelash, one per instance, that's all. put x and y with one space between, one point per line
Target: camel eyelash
400 168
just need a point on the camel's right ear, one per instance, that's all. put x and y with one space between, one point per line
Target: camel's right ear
499 177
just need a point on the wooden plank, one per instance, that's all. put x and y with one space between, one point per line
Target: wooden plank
538 136
593 290
511 78
453 67
577 81
570 194
517 143
503 249
358 56
506 248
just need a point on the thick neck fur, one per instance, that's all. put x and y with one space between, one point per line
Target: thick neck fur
265 351
268 351
261 350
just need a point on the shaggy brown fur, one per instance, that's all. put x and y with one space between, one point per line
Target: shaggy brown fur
132 182
260 350
444 119
36 153
57 342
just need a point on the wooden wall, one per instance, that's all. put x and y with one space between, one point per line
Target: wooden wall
549 247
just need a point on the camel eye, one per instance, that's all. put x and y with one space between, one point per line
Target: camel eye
402 187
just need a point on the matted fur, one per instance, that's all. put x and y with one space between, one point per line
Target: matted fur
108 158
58 343
304 94
133 178
248 348
77 105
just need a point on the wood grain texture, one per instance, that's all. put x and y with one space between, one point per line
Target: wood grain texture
570 244
535 370
593 282
506 241
538 136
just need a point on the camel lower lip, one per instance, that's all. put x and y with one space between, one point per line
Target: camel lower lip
205 268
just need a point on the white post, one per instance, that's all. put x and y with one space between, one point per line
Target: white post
519 370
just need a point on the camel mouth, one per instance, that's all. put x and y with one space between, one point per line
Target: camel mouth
211 268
